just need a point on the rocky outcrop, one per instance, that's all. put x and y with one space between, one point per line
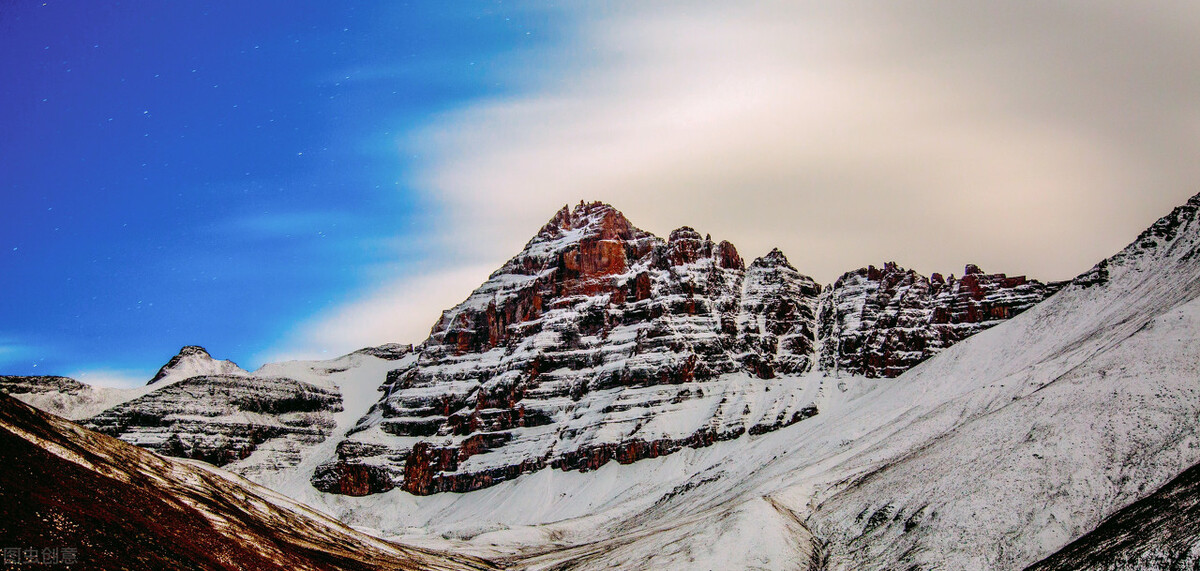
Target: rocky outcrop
224 419
880 322
387 351
778 318
20 384
193 361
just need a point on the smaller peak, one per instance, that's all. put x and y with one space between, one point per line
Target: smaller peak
972 269
563 215
727 256
684 233
194 360
584 214
590 208
774 258
557 223
888 269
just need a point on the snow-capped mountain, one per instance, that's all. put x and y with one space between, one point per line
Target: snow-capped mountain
261 424
194 361
601 342
63 396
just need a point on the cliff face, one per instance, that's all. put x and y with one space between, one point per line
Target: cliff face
601 342
880 322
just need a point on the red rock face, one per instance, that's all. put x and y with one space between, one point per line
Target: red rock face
880 322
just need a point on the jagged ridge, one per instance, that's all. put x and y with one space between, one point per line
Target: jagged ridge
600 342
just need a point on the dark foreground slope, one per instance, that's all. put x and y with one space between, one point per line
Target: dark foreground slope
1160 532
119 507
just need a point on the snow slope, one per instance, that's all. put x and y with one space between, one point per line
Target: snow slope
1158 533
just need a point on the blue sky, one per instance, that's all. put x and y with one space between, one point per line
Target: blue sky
212 172
279 180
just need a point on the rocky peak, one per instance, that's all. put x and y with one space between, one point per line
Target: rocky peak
193 351
685 234
595 220
778 317
774 258
880 322
194 360
686 246
522 374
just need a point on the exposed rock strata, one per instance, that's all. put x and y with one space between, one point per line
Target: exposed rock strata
223 419
880 322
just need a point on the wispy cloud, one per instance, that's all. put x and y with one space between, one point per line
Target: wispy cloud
402 311
1033 138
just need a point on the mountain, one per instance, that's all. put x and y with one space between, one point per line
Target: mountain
601 342
76 496
260 425
63 396
194 361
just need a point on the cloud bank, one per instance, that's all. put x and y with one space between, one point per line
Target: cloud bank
1032 137
1028 138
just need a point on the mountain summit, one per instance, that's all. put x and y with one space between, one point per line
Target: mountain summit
193 361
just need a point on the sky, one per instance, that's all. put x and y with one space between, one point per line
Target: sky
277 180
